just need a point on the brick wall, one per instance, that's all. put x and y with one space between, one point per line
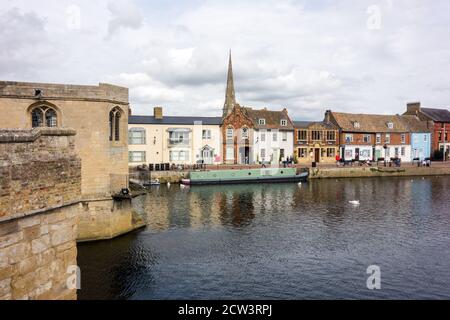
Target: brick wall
358 139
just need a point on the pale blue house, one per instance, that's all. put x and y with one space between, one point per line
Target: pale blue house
420 137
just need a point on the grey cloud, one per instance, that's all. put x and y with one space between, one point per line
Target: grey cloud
22 44
303 55
125 15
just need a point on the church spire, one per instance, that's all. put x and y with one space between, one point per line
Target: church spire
230 98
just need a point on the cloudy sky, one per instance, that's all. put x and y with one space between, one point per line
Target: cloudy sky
308 56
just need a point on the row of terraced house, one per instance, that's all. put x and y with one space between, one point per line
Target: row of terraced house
244 135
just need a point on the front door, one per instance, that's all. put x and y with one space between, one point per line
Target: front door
207 155
247 155
275 157
378 155
244 155
317 155
357 154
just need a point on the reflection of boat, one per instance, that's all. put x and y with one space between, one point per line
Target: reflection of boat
152 183
264 175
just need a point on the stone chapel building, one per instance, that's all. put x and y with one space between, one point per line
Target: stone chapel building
99 114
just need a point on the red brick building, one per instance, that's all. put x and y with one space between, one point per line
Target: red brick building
440 122
236 135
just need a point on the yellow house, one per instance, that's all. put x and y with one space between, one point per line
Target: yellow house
159 139
316 142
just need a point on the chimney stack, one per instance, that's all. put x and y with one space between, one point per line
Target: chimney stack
328 117
413 107
158 113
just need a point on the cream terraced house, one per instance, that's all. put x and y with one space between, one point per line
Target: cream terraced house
176 140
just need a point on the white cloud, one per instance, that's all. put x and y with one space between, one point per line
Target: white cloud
303 55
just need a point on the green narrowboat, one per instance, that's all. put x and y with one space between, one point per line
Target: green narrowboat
264 175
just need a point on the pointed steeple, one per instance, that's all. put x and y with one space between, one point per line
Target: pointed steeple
230 97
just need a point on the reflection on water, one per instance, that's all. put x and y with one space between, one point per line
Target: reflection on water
280 241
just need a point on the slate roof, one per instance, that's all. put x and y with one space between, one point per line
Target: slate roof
273 119
438 115
174 120
369 122
302 124
415 124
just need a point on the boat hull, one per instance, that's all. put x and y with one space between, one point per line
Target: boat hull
261 179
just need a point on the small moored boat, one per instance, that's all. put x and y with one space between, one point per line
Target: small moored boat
264 175
152 183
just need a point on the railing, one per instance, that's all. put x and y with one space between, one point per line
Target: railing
179 142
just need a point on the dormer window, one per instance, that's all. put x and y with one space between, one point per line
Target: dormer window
284 123
356 125
262 122
390 125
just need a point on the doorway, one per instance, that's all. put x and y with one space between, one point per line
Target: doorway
244 153
207 155
317 155
357 154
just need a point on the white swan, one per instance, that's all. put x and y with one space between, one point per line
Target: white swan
299 184
168 184
355 202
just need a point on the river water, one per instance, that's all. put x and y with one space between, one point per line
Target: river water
280 241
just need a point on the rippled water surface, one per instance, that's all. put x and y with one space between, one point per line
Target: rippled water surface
280 241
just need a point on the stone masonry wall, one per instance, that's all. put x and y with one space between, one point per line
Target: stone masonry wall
35 254
40 174
40 191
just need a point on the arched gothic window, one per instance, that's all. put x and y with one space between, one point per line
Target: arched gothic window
44 116
51 118
114 124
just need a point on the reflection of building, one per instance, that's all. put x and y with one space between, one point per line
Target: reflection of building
316 142
180 140
440 122
254 136
371 137
99 114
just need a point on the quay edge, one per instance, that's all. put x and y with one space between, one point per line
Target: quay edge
371 172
